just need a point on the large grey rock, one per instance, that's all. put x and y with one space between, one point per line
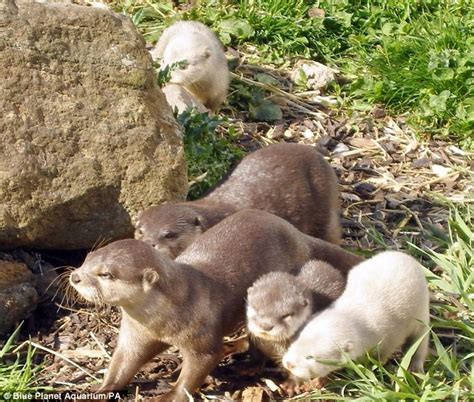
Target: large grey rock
86 137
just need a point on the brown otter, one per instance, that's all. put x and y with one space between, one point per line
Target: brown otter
292 181
279 304
194 301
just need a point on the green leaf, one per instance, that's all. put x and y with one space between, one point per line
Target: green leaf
238 28
301 78
404 364
443 74
265 111
387 28
225 38
8 344
438 102
344 18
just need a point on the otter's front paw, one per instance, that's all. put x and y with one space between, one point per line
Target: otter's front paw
290 387
317 383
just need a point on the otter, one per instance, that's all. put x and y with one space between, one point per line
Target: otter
279 304
202 66
194 301
385 306
292 181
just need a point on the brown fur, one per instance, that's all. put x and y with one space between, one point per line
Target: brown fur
292 181
194 301
279 304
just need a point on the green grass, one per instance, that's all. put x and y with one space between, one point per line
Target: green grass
17 371
417 58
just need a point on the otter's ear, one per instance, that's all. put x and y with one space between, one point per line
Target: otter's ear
136 222
348 346
198 222
207 53
150 277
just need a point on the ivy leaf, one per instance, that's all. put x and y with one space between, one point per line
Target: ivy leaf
443 74
438 102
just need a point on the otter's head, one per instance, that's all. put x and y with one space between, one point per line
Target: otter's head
277 306
121 273
189 59
319 350
170 228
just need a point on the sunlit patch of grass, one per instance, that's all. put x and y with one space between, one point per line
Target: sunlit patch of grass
278 28
418 60
18 373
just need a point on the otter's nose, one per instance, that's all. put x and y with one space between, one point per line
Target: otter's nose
267 327
288 365
75 278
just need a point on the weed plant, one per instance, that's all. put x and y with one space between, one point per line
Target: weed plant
416 58
209 154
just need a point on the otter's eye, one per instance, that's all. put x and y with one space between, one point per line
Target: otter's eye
183 65
286 316
309 357
105 275
168 235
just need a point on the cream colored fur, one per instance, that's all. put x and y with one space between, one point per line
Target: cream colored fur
206 73
181 99
385 305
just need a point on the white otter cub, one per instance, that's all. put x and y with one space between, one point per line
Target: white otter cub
279 304
204 71
385 306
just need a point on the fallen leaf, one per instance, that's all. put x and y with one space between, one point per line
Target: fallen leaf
361 142
270 384
440 171
252 394
316 12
